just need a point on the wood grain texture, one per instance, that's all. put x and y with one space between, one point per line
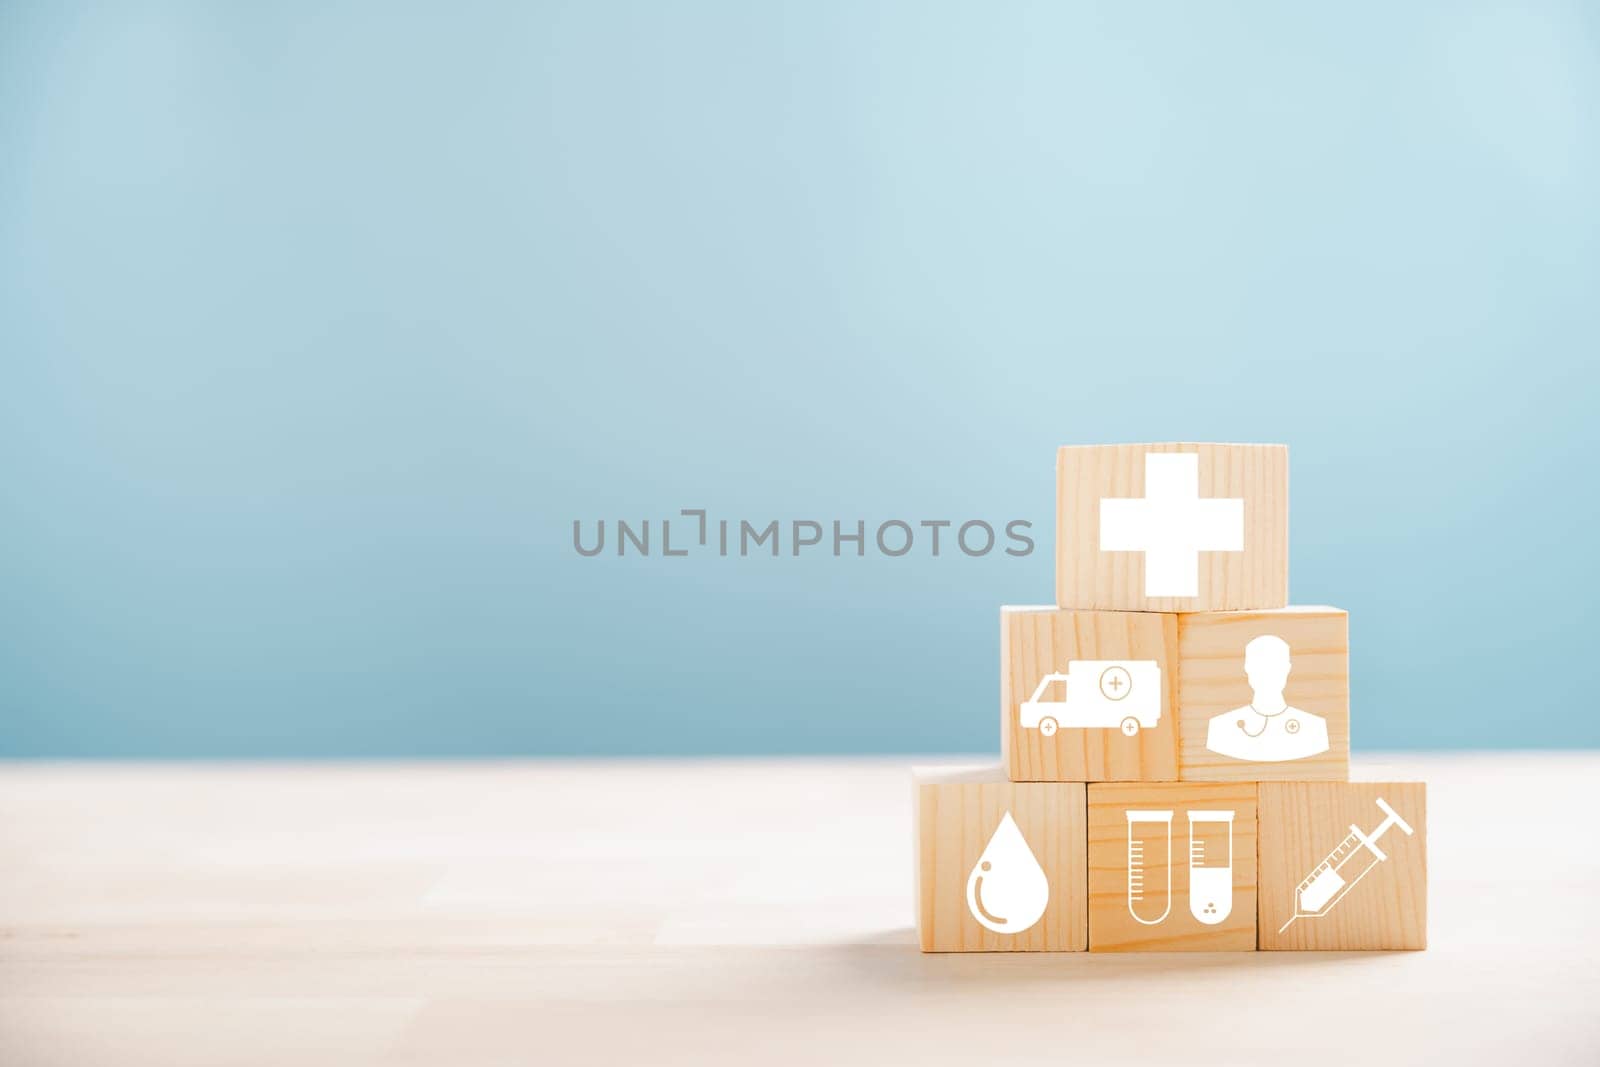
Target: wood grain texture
1112 926
1036 641
1301 822
1258 577
955 816
1212 682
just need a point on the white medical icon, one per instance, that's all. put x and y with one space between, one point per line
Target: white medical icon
1007 890
1267 729
1171 524
1125 694
1342 868
1148 831
1210 870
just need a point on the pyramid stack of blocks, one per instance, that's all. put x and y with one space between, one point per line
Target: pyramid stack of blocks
1175 740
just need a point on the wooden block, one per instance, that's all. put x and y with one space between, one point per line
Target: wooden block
1172 867
1000 864
1356 901
1172 527
1092 696
1114 669
1264 695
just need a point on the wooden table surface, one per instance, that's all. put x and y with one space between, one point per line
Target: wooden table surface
701 912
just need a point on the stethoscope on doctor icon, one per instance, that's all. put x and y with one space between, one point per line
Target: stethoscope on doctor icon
1290 726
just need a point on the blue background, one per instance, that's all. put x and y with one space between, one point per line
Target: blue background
320 324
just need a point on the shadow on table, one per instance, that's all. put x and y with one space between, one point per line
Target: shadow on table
894 958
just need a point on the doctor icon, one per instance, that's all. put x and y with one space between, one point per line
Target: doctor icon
1267 729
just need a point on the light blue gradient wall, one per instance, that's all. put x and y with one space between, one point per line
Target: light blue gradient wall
319 324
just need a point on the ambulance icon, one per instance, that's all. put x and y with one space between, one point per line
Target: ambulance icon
1098 693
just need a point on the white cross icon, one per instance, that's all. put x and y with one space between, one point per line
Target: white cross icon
1171 525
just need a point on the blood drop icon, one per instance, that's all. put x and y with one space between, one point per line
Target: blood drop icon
1007 890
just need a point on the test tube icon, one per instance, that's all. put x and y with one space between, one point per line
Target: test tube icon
1149 836
1210 865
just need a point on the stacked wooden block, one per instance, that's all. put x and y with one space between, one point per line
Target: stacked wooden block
1175 740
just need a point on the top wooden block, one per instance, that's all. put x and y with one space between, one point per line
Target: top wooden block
1172 527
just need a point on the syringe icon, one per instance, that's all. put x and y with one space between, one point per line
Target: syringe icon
1335 876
